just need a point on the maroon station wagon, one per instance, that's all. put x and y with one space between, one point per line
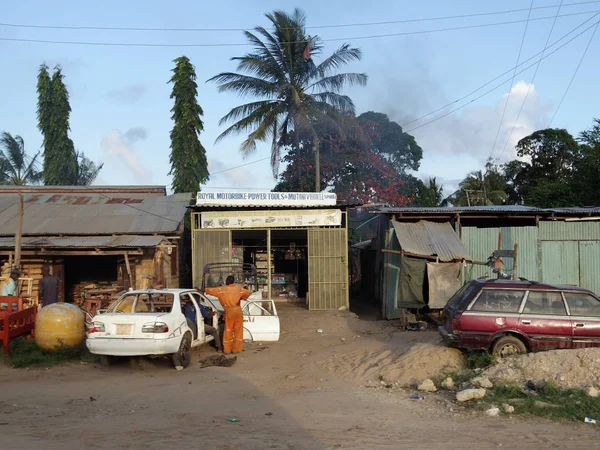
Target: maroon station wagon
509 317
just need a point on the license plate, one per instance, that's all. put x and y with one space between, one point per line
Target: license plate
124 329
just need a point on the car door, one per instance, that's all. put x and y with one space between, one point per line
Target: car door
584 309
201 336
490 313
545 322
261 322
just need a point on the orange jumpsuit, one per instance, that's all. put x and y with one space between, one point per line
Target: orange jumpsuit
230 297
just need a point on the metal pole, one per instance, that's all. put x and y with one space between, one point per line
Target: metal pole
19 232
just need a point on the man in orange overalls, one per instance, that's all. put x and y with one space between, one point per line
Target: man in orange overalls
230 297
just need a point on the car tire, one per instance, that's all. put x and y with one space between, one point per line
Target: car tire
508 346
183 357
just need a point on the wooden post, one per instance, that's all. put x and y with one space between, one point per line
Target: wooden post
19 232
515 259
129 271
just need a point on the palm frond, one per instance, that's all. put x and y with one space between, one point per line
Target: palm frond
250 122
341 57
339 81
342 103
244 110
245 85
13 151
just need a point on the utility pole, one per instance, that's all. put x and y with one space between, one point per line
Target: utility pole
19 232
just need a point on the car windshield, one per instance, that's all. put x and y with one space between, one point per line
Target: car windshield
141 303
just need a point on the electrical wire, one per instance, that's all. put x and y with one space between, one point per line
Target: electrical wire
512 80
241 165
595 24
244 44
347 25
530 84
498 77
574 74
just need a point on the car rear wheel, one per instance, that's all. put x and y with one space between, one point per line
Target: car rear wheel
508 346
183 357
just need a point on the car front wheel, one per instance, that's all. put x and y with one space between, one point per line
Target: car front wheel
508 346
183 357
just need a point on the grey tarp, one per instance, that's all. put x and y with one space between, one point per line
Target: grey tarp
412 279
444 281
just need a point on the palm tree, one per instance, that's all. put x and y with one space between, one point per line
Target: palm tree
16 167
479 189
430 194
294 93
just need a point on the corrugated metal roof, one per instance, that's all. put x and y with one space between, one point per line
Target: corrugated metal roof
85 242
112 189
499 209
430 239
92 214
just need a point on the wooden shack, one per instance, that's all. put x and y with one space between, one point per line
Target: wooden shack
98 240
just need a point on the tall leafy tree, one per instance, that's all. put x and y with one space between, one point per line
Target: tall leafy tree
54 110
16 167
368 163
189 166
62 164
292 92
586 178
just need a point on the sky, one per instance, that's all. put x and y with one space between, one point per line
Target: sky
120 94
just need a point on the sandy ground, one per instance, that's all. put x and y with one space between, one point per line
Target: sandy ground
309 391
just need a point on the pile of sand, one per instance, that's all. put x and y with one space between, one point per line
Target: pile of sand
420 362
565 368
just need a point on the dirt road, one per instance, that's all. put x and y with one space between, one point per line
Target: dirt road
294 394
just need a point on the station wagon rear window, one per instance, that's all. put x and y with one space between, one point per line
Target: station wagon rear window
496 300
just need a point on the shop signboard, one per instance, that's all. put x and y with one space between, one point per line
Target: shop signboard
271 219
263 199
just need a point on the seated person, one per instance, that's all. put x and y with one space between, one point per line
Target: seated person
190 313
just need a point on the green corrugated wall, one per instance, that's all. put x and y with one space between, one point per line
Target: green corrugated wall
556 252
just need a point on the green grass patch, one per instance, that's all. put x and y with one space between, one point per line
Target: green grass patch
479 360
24 353
550 402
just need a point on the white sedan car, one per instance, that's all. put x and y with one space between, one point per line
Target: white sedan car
152 322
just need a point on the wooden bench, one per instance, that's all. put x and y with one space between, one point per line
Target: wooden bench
14 320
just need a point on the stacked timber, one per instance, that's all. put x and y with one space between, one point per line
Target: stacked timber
104 291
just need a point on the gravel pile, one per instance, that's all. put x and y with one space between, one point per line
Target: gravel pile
564 368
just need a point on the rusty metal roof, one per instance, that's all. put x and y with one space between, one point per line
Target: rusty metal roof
84 242
430 239
57 214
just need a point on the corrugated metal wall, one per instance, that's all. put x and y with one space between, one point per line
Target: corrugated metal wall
210 246
481 242
556 252
327 268
589 265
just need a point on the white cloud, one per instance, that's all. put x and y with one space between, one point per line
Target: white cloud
118 146
472 130
235 178
127 94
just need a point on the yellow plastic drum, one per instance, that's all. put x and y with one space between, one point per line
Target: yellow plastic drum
59 325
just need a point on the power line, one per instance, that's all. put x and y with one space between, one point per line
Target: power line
498 85
574 74
530 84
347 25
244 44
498 77
512 80
241 165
